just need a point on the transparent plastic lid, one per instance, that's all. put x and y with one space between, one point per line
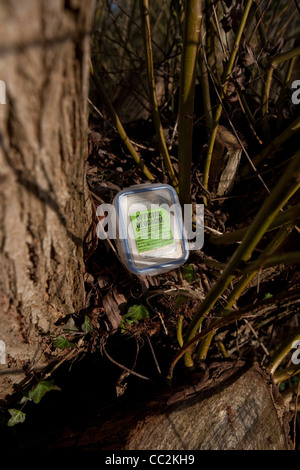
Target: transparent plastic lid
150 237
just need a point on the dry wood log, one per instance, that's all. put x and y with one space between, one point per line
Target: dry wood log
230 405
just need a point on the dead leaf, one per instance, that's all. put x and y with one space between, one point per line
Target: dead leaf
121 386
227 138
88 278
246 55
112 311
229 173
231 19
154 280
103 281
235 84
119 298
274 46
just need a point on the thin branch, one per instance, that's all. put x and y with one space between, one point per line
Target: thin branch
289 215
119 126
144 8
261 309
275 61
228 71
126 368
192 27
276 143
288 184
283 351
251 272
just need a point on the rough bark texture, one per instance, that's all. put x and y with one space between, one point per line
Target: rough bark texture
231 406
43 145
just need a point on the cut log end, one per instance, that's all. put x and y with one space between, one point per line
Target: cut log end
236 407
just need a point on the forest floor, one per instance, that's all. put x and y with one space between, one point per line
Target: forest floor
100 376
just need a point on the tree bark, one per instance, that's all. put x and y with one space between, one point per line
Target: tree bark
43 147
231 406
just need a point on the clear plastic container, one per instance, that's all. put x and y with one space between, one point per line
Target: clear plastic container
150 231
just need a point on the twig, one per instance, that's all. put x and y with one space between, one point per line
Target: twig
149 149
249 274
236 134
222 349
283 92
252 311
179 330
289 215
285 188
286 374
126 368
119 125
266 92
157 313
205 83
283 351
192 26
260 15
297 6
276 143
248 118
144 8
154 356
257 337
292 257
223 92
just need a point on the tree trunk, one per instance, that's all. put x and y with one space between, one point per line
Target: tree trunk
43 147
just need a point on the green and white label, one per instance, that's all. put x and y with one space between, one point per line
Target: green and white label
151 229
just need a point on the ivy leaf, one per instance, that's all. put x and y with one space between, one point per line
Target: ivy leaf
37 393
23 400
62 343
188 274
268 296
87 326
17 416
134 314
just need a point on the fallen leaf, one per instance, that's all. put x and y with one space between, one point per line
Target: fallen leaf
112 310
235 84
246 55
17 416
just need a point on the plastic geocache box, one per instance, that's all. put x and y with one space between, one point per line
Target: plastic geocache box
150 231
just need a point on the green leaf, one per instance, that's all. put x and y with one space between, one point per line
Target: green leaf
37 393
62 343
268 296
134 314
17 416
180 300
188 274
87 326
282 387
23 400
295 380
